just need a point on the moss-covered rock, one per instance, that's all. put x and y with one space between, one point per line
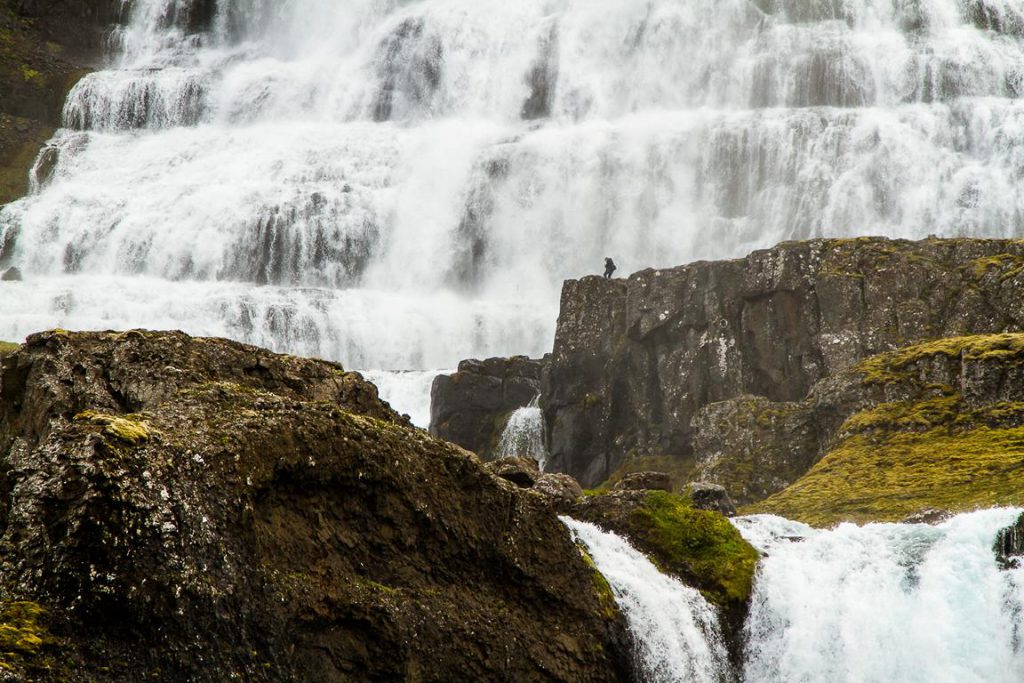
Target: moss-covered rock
680 471
7 348
937 425
699 546
201 510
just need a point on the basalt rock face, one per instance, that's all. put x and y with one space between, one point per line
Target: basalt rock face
200 510
47 46
636 360
471 407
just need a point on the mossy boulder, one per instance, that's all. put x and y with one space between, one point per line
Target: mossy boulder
937 425
200 510
680 471
699 546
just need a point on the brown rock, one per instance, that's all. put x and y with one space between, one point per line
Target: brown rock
211 511
705 496
523 472
645 481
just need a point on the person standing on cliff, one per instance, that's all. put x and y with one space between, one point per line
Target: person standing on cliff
609 267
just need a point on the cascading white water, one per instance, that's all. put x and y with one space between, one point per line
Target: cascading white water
884 603
402 184
676 630
523 435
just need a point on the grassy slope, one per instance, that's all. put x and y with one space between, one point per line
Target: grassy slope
896 459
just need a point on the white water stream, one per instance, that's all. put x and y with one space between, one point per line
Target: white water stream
523 435
401 184
882 603
677 635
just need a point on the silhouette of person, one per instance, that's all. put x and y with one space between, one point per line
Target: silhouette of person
609 267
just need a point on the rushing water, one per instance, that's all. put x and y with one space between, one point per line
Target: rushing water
884 602
401 184
676 631
523 435
881 603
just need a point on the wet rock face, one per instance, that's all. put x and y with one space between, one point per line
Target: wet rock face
635 361
48 45
1009 546
211 511
470 408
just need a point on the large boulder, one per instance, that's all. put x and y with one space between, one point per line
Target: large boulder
700 547
471 407
635 361
199 510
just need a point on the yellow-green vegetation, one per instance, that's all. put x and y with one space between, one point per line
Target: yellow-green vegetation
1006 265
603 590
30 74
897 459
699 544
680 470
130 429
892 367
22 633
7 348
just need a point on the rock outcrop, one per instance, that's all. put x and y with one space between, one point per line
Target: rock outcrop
1009 545
700 547
471 407
47 46
930 428
199 510
639 364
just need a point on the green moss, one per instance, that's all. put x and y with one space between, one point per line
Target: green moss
892 367
128 428
698 544
7 348
602 589
22 632
29 74
897 459
1007 265
592 400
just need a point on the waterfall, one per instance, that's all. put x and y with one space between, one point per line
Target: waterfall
524 434
676 630
884 602
401 184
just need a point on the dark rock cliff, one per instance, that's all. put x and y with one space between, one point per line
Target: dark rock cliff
199 510
636 360
46 46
